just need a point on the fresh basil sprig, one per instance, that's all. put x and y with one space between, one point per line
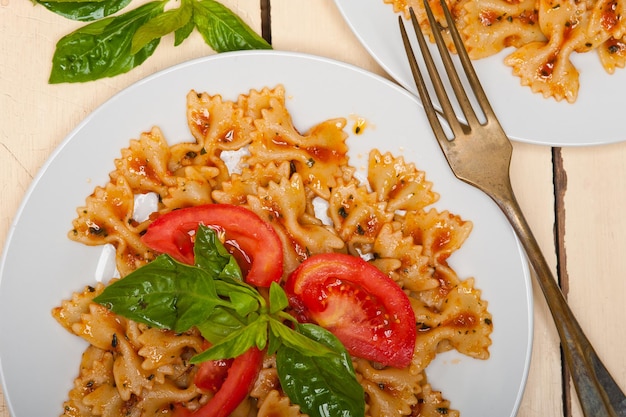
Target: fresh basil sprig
113 45
313 366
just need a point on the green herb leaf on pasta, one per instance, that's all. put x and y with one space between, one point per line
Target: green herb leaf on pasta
211 255
220 323
278 298
164 293
299 340
238 342
321 385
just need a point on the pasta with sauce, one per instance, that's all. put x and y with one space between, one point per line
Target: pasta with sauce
544 34
134 370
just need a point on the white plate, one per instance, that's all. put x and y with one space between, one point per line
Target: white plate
526 117
41 266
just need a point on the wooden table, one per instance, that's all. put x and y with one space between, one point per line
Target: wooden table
573 197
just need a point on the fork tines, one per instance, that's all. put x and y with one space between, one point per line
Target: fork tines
457 86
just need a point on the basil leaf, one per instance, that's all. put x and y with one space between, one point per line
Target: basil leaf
223 30
183 33
102 48
238 342
220 323
164 294
278 298
273 343
211 255
85 11
243 303
161 25
321 386
298 341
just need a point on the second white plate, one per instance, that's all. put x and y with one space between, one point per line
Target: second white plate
526 117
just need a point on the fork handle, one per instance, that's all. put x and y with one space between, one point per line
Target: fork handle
598 392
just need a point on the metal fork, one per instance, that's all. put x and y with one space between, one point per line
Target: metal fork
479 153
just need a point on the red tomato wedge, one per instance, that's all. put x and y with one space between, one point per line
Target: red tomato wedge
236 387
248 237
212 374
364 308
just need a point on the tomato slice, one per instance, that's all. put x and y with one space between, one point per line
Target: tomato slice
236 387
212 374
367 311
248 237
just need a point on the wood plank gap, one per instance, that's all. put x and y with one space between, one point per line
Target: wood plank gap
266 21
559 176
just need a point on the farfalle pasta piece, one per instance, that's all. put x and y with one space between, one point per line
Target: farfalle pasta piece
145 164
237 189
604 21
105 401
158 347
439 233
94 386
546 67
287 201
612 54
463 320
218 124
317 155
489 26
157 401
71 311
130 377
391 391
399 257
267 381
357 215
107 218
398 183
194 185
433 404
107 331
287 207
256 101
276 404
